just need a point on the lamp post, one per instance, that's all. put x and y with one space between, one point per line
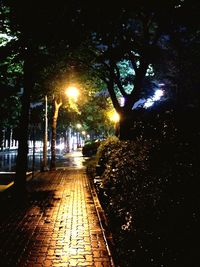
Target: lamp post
72 93
45 137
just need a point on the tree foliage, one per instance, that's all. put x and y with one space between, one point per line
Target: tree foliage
142 35
95 116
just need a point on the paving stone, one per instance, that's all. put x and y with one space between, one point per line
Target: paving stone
47 263
98 264
58 226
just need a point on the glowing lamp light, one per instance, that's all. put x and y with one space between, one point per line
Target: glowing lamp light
72 92
78 125
115 117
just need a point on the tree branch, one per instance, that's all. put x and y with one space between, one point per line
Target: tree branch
140 75
133 62
111 89
118 82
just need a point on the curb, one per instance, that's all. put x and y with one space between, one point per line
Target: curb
103 222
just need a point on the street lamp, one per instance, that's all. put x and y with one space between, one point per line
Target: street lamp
115 117
72 92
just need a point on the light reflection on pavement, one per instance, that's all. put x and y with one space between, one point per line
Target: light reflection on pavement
72 160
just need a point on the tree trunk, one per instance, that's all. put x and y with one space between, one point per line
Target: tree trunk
56 107
22 161
1 139
126 129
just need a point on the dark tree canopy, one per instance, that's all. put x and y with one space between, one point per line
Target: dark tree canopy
142 35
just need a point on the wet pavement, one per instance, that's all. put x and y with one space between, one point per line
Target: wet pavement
58 225
72 159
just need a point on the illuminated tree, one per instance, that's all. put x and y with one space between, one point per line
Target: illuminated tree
138 35
95 116
34 33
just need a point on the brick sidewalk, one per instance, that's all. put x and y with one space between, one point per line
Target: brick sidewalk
58 226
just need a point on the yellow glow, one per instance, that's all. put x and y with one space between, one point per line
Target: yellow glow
78 125
114 116
72 92
83 132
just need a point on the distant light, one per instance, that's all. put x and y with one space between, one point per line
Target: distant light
121 101
78 125
60 146
83 133
157 95
148 103
139 103
72 92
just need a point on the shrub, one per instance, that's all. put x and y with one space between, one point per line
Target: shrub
91 167
104 151
90 148
150 195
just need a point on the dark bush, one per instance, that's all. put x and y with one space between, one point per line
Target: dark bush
90 148
91 167
149 191
104 151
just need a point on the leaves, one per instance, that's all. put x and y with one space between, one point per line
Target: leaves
149 191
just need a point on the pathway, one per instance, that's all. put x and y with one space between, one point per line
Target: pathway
58 226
